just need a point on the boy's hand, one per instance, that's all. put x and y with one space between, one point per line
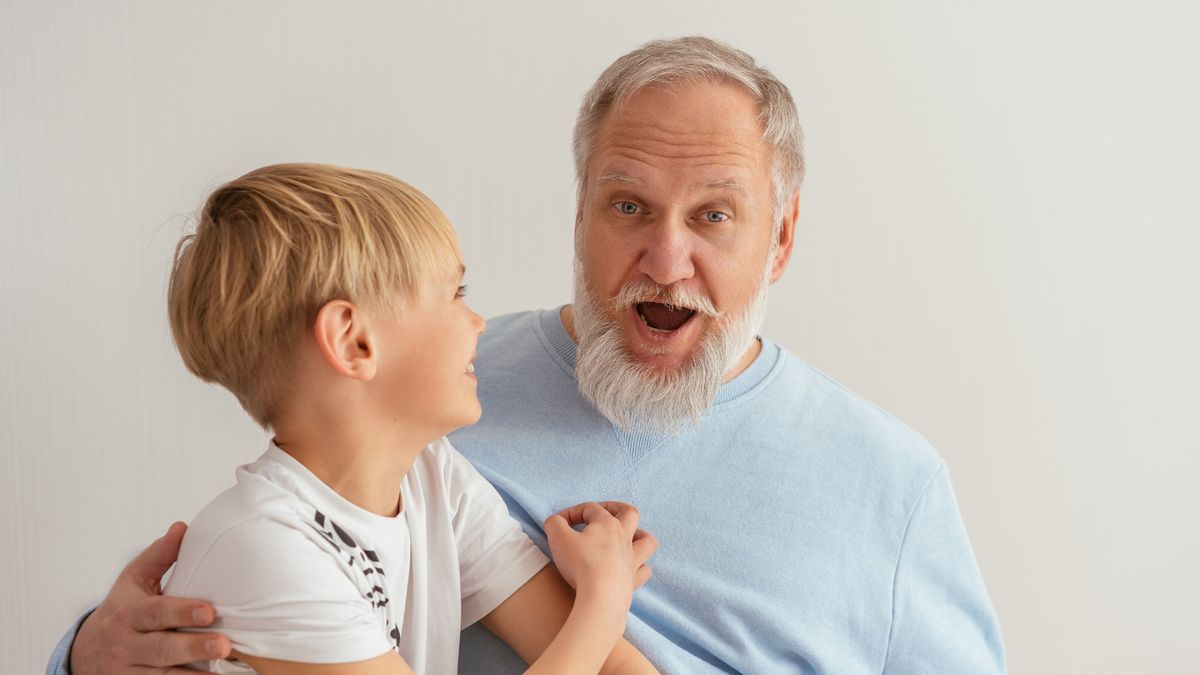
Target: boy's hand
608 556
131 629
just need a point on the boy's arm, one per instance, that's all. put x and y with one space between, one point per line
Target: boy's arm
530 619
389 663
558 630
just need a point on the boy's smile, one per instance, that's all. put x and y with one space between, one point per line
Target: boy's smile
426 349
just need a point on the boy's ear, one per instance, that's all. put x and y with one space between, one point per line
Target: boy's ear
344 340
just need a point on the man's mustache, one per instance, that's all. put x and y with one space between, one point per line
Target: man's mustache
675 295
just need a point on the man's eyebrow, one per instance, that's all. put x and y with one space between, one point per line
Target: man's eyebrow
725 184
617 177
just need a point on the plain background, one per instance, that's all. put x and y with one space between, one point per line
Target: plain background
997 243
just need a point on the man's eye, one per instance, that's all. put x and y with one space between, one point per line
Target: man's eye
715 217
628 208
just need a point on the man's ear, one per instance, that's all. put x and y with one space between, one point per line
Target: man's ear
344 339
787 236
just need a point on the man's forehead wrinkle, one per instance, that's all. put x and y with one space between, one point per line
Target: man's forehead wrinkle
643 133
646 151
649 146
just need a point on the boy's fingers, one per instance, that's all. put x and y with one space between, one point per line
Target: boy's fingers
148 568
555 523
642 575
644 546
626 513
159 612
164 649
585 512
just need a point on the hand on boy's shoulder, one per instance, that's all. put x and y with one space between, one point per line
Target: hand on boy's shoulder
134 627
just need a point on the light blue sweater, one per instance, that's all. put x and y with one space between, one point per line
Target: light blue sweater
801 529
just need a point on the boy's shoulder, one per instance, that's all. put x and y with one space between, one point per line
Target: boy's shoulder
259 496
261 531
257 510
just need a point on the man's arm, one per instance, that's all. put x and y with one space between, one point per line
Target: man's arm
560 630
942 620
132 628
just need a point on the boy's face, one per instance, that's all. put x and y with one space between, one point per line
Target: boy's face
426 359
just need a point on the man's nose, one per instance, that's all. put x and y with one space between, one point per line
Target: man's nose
667 253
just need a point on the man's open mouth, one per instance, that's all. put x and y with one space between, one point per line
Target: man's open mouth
663 318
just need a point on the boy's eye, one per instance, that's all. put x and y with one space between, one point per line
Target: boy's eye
628 208
462 291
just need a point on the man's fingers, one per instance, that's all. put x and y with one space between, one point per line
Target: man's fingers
644 546
160 612
148 568
164 649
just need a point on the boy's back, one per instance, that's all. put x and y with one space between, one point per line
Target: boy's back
298 573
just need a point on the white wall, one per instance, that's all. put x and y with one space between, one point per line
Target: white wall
997 243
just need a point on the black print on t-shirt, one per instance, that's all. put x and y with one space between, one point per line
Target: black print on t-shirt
365 563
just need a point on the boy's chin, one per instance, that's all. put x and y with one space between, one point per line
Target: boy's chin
468 419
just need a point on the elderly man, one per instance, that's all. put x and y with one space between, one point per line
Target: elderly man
801 529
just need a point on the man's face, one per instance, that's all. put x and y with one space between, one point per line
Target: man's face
675 245
678 193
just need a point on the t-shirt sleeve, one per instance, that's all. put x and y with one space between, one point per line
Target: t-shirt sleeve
495 556
942 620
280 594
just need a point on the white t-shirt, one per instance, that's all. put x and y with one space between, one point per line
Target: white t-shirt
298 573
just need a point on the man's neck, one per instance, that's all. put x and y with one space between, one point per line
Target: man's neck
567 317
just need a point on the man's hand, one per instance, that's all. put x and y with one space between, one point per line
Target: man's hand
130 632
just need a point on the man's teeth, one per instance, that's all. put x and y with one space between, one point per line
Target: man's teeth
471 367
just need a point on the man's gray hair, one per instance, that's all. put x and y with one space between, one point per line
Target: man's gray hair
692 60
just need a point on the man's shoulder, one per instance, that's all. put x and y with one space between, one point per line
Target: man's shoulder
521 353
509 326
820 407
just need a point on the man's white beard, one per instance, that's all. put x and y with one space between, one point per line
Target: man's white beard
636 397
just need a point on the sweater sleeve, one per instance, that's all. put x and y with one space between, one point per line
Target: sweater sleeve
60 658
942 619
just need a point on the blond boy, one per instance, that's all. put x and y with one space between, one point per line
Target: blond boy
329 301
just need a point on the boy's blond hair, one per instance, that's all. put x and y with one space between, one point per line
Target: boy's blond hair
272 247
